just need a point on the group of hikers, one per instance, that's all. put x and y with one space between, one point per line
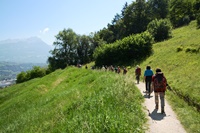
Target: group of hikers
154 82
116 69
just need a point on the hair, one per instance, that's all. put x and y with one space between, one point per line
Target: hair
158 70
148 67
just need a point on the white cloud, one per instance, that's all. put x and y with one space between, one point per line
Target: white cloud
44 31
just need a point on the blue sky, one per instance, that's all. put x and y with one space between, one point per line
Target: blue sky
21 19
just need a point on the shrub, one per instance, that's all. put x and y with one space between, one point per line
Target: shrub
31 74
179 49
192 50
160 29
134 47
21 77
37 72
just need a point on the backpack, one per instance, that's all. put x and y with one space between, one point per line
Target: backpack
138 71
159 83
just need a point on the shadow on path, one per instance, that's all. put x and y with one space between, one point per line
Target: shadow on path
158 122
156 116
147 96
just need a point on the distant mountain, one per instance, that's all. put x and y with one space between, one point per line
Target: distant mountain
30 50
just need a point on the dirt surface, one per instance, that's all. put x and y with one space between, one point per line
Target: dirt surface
157 122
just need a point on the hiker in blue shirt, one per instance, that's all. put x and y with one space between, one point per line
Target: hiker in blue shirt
148 78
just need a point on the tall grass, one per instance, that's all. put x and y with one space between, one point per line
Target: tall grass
73 100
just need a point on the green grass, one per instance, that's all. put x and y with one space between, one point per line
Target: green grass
182 70
73 100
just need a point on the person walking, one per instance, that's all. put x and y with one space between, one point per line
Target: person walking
148 79
124 70
138 73
159 84
118 70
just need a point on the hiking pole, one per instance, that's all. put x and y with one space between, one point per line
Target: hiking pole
169 87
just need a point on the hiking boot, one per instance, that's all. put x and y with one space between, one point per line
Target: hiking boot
162 111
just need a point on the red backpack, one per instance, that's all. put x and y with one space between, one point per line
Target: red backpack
159 83
138 71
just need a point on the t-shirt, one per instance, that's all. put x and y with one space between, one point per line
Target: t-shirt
148 72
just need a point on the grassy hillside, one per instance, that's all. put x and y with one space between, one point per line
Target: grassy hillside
73 100
80 100
178 58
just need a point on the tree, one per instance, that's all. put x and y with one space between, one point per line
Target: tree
65 51
158 9
83 49
180 12
160 29
135 17
107 35
135 47
95 40
124 9
117 28
132 20
196 8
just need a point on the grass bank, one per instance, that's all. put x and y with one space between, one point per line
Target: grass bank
73 100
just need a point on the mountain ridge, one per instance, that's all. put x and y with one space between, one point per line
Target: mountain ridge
29 50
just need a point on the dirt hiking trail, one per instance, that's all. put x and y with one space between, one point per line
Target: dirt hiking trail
157 122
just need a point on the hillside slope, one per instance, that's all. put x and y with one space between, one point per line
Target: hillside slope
181 68
178 58
73 100
80 100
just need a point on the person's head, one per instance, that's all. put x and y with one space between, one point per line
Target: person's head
158 70
137 66
148 67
